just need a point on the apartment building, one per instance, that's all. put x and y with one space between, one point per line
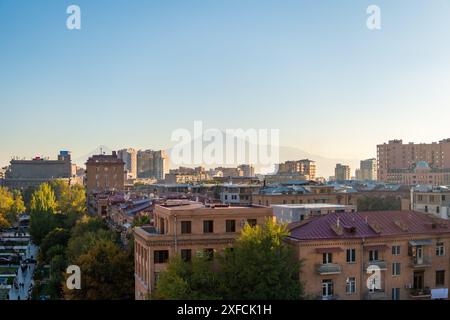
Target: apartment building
105 173
290 213
187 228
303 195
431 199
152 164
129 156
394 255
304 167
368 169
396 158
342 172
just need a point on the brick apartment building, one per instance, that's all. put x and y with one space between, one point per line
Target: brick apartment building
408 248
187 228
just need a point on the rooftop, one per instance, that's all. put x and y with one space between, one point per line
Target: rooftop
310 206
369 224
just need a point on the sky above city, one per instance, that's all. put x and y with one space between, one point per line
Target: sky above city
138 70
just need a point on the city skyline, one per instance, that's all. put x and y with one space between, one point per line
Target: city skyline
133 74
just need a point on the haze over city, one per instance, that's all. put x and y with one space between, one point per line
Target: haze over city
313 70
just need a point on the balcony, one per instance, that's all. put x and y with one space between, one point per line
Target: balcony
376 295
378 263
418 263
329 268
420 293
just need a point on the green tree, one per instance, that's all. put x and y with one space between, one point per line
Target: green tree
57 236
261 266
70 199
43 200
107 274
43 208
195 280
11 206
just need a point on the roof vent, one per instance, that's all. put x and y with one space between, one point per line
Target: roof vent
401 225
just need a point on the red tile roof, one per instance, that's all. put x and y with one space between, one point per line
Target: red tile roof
369 224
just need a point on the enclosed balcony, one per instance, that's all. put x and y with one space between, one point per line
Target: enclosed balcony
329 268
377 263
420 262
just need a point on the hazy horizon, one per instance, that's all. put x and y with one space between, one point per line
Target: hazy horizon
138 70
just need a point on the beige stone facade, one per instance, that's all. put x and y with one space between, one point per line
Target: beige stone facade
187 228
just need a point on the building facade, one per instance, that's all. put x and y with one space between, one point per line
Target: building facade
431 199
397 156
290 213
390 255
342 172
22 174
187 228
368 169
304 167
152 164
105 173
129 156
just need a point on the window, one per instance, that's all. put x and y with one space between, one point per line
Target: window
420 198
327 288
395 293
161 256
230 226
209 253
395 250
396 268
233 197
443 198
186 254
226 197
440 278
351 255
373 255
208 226
440 249
350 285
426 208
186 227
327 257
252 222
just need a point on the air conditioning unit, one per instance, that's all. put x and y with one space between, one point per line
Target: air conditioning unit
408 286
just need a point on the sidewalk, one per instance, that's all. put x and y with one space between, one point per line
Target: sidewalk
25 277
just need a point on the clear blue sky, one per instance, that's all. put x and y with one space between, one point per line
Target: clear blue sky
140 69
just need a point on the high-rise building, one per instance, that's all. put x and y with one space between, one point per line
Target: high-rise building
396 158
152 164
305 167
368 169
105 173
129 156
342 172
